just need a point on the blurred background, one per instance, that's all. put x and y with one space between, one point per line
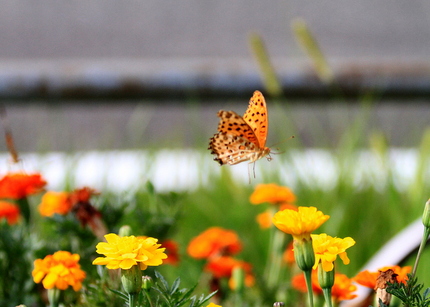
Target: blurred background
118 75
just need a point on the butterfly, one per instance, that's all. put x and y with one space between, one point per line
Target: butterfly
240 138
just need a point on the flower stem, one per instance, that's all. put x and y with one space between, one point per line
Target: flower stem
275 257
308 279
421 248
327 297
132 300
148 297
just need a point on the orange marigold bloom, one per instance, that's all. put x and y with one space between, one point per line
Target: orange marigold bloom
343 288
171 252
222 267
288 256
271 193
20 185
9 211
215 241
55 203
299 283
59 270
368 279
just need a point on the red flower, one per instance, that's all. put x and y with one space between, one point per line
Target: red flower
171 252
9 211
20 185
222 267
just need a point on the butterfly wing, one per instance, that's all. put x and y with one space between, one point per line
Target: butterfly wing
256 117
232 149
232 123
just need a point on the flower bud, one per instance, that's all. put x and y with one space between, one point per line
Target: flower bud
131 279
325 279
304 254
125 231
147 282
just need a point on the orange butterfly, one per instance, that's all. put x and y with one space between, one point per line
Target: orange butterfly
242 138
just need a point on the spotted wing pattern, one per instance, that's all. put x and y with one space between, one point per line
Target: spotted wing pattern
256 117
241 139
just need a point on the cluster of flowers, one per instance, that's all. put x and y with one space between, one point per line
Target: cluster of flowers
314 254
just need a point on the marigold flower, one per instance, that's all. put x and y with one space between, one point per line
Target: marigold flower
271 193
55 203
368 279
327 249
265 219
59 270
125 252
10 212
343 288
213 242
213 305
20 185
301 223
171 252
222 267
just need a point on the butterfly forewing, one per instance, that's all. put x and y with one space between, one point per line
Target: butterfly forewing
256 117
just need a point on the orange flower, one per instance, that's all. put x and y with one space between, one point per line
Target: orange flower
55 203
271 193
171 252
343 288
288 256
265 219
9 211
368 279
213 242
20 185
222 267
59 270
299 283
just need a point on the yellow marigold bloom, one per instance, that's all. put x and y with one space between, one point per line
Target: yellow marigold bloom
213 242
125 252
10 212
301 223
59 270
327 249
271 193
55 203
20 185
213 305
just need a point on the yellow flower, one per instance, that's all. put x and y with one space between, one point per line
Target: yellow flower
327 249
213 305
59 270
301 223
271 193
125 252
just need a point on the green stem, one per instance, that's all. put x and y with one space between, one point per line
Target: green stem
54 297
327 297
308 279
132 299
420 250
148 297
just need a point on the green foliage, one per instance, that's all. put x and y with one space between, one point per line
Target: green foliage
410 293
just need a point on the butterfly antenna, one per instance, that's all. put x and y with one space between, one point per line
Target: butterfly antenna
8 134
291 137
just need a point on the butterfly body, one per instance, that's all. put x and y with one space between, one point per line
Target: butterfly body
239 138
